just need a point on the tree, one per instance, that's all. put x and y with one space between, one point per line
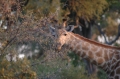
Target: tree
43 8
9 35
23 26
110 20
83 9
19 69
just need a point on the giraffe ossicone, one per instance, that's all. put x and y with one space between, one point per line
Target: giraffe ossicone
104 56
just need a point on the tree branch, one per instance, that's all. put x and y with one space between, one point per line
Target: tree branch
103 34
11 40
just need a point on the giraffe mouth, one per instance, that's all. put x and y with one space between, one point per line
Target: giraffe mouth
58 46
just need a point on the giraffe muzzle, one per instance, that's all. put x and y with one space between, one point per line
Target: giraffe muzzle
58 46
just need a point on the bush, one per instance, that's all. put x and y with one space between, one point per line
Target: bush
19 69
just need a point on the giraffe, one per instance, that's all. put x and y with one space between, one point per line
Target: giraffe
103 56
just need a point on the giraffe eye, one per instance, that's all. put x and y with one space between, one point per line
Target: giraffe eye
65 34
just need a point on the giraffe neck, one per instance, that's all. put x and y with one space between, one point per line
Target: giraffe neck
104 56
94 52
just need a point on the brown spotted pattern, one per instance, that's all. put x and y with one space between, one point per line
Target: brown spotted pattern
104 56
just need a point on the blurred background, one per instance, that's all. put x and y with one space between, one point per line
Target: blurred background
27 49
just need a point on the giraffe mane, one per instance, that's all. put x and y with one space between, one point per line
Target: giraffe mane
94 42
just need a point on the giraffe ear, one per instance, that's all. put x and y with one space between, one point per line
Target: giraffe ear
70 28
52 31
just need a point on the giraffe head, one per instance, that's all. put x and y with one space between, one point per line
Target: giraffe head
61 36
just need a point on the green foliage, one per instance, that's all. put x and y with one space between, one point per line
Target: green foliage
74 73
42 8
109 21
114 4
76 62
76 8
116 44
101 74
60 69
85 9
30 29
75 58
19 69
46 69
